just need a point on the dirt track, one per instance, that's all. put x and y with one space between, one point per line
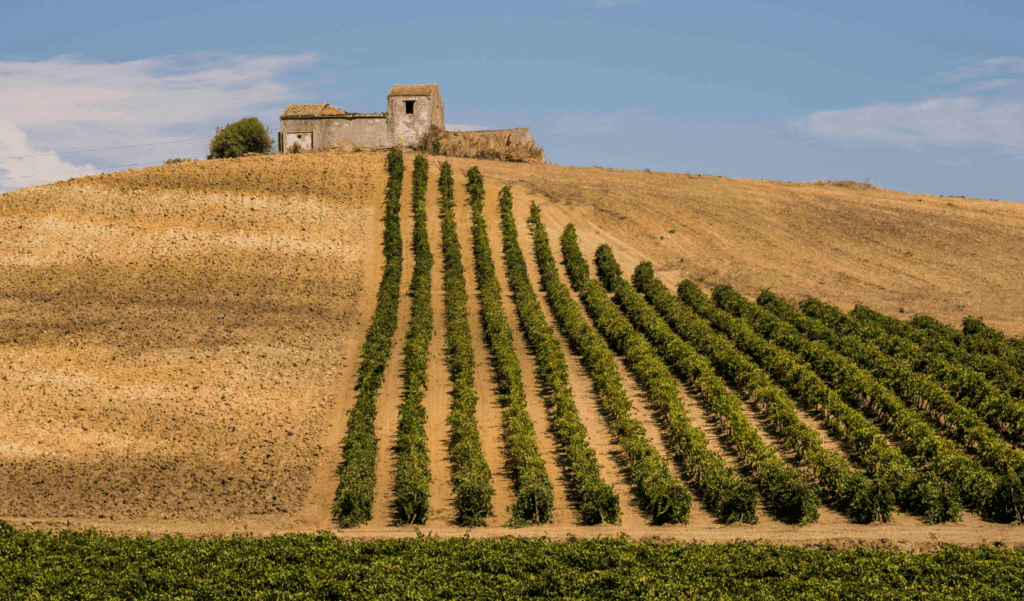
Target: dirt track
179 343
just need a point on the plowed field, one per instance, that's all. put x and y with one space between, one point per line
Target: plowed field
178 343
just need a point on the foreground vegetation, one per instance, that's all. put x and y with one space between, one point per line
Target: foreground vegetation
84 565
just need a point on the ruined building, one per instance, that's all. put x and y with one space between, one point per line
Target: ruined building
411 112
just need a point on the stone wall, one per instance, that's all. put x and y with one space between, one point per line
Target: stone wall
361 130
516 135
408 130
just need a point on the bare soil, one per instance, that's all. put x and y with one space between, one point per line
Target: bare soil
179 343
174 340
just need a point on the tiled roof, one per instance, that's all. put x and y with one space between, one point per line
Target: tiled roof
311 110
424 90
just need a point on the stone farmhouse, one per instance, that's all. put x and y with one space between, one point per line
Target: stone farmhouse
411 112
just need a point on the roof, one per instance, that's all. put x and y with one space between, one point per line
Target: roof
311 110
424 90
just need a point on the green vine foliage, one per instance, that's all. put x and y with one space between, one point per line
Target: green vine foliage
821 321
960 475
353 499
891 471
980 338
86 565
412 472
854 494
596 501
983 354
471 478
724 493
534 492
950 367
661 496
785 492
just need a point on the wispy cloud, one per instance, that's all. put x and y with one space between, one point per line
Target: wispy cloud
69 104
986 68
982 111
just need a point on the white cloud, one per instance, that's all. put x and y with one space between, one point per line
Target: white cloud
988 112
26 167
68 104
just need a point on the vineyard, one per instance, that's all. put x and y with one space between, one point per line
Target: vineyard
709 409
509 367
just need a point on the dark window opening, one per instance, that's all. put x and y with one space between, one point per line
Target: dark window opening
408 106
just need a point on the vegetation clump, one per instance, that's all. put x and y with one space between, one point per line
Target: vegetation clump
241 137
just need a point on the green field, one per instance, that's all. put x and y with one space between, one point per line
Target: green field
83 565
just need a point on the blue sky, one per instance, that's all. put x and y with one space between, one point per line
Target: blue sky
920 96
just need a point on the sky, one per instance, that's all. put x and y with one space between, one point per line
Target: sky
926 97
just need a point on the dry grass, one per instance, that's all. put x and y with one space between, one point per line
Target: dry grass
845 242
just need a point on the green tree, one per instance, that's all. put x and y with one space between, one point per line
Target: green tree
242 136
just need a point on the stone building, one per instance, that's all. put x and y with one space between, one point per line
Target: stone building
411 112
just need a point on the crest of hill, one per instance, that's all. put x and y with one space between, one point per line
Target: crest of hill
843 242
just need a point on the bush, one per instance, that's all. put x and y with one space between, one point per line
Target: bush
235 139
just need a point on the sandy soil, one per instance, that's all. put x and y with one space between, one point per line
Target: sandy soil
171 348
179 342
437 400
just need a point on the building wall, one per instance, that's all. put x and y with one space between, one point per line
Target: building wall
407 130
378 130
362 131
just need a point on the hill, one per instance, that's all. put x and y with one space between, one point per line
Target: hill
182 340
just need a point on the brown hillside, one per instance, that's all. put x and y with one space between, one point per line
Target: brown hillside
173 337
844 242
179 342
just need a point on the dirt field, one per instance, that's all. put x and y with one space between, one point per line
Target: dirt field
179 342
173 347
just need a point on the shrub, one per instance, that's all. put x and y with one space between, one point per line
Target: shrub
235 139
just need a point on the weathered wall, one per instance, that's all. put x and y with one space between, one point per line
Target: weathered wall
408 130
516 135
376 130
364 131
